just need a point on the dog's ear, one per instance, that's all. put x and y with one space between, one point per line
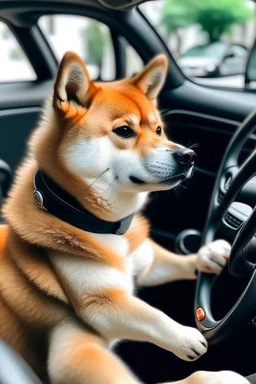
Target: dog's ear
73 83
151 79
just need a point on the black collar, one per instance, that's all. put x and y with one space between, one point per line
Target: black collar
55 200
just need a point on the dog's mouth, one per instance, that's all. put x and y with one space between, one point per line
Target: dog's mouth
167 181
136 180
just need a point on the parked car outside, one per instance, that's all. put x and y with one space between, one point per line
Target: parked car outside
214 60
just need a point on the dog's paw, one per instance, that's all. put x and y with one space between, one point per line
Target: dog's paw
191 344
213 257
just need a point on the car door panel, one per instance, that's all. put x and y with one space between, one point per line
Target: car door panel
15 127
233 105
20 108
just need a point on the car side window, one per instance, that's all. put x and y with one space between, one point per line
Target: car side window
134 63
14 64
210 42
89 38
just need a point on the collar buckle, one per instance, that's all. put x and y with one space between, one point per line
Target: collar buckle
39 199
124 225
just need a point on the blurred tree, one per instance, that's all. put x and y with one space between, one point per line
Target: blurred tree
174 17
16 53
94 39
215 16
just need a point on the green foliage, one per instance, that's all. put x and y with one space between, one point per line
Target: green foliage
94 40
215 16
16 53
175 15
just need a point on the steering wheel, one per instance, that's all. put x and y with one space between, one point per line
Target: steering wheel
230 180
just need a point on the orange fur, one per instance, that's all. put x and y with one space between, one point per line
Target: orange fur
3 236
107 297
22 339
137 233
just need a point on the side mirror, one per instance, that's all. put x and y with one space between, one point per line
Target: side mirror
250 72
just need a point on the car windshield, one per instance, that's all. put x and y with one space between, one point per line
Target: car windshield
213 51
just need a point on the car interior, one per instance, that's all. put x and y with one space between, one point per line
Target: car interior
219 201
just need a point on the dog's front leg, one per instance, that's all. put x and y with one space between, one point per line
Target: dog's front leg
156 265
101 295
116 314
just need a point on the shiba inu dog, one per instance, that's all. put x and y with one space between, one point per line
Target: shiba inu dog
74 241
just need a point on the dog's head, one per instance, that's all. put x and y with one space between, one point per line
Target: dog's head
113 133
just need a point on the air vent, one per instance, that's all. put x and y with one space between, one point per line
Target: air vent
232 220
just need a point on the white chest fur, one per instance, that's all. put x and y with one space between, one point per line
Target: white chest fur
85 275
118 244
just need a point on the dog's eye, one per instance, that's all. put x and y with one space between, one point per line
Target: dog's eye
125 132
159 131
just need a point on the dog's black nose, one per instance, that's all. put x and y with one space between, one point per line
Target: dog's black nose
184 156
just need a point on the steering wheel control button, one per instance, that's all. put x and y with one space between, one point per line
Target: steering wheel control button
232 220
200 314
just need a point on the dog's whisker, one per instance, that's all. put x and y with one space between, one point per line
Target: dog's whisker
115 178
191 146
97 178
